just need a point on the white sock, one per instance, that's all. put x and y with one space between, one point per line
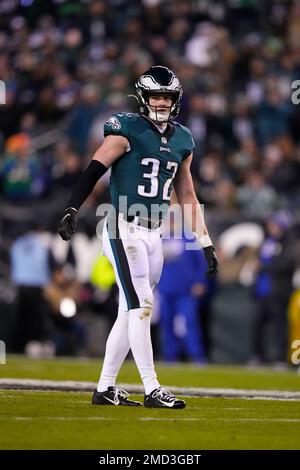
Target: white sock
141 346
117 348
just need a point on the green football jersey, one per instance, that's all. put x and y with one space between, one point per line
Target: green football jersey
144 174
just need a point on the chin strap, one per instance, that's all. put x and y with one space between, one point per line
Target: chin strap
154 116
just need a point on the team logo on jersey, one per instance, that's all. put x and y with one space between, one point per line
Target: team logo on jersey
164 140
114 123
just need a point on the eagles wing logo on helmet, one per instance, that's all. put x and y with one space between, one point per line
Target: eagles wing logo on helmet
159 79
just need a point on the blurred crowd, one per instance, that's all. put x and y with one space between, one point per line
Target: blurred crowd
68 65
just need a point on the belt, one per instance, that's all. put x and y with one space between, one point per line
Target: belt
142 222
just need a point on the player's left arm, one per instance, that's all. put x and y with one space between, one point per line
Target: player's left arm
186 196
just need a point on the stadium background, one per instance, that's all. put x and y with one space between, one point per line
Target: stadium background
67 66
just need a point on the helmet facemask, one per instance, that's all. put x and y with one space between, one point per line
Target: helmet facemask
154 113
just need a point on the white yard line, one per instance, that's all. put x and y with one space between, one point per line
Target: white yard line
148 418
72 386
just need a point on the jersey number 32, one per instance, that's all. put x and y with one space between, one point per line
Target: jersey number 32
152 191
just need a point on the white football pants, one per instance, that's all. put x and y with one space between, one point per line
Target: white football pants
137 259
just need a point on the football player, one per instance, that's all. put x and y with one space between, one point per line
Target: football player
149 154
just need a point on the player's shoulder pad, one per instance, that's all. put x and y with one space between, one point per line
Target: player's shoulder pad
186 135
183 129
119 124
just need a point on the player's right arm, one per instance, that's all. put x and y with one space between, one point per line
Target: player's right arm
112 148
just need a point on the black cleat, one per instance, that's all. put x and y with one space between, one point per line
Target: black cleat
162 398
113 396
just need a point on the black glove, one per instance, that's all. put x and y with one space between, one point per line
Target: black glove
67 224
212 261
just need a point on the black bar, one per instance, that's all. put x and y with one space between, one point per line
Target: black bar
137 458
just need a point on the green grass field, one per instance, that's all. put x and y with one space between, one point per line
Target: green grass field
66 420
